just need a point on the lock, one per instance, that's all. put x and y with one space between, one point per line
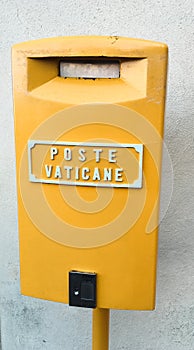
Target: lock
82 289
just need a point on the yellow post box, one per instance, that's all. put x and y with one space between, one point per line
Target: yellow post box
89 116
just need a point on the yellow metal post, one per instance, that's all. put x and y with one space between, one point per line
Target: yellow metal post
100 329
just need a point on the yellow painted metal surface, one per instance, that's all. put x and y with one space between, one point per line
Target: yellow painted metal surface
100 329
75 219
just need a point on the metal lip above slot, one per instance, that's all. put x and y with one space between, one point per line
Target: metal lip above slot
93 69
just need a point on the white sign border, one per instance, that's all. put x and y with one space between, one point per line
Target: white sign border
136 184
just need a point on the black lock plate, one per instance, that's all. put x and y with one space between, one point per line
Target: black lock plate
82 289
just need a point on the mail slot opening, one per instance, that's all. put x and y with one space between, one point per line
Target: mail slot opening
63 78
89 69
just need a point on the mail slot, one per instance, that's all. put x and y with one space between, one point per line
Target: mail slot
89 118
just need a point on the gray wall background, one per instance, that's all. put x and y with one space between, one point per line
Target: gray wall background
27 323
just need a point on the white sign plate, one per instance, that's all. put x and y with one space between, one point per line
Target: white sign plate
85 163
